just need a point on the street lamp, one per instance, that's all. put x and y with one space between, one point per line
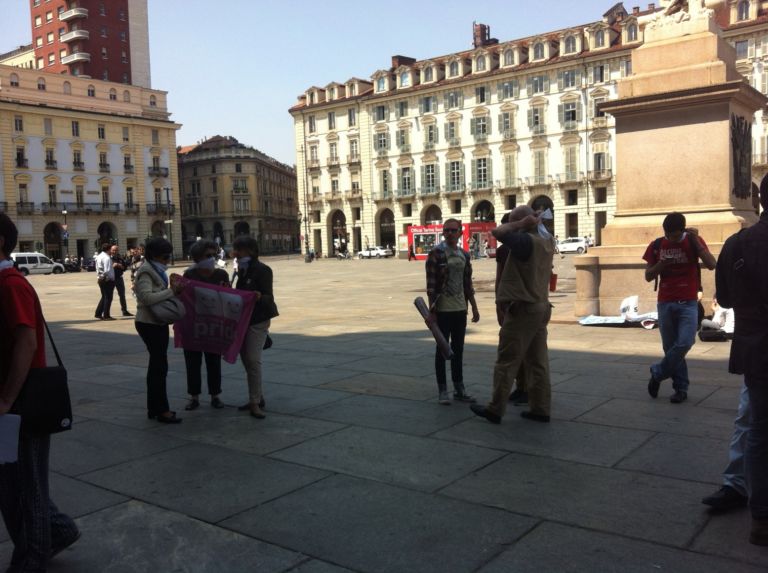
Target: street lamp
65 234
169 221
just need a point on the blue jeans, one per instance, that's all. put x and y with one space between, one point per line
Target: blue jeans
735 475
756 457
678 323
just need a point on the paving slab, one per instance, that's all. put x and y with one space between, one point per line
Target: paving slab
306 375
129 411
727 535
308 358
317 566
724 399
573 441
554 547
395 414
87 392
395 365
684 457
657 509
136 538
629 388
386 529
418 463
661 416
394 386
204 481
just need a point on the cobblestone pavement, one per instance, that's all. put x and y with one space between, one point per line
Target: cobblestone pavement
357 468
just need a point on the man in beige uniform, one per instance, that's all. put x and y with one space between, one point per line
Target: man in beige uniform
524 289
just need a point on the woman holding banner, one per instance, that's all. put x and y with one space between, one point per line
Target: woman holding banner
256 277
204 270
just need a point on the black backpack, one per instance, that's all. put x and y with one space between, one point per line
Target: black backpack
694 245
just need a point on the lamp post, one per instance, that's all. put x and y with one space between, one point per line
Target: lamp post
65 234
169 221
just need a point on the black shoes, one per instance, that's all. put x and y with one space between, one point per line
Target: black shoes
483 412
62 544
193 404
535 417
678 397
109 318
518 397
216 403
725 499
247 406
464 397
126 313
653 386
172 419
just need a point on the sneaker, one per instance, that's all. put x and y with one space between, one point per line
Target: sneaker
653 386
725 499
483 412
678 397
444 398
462 396
519 397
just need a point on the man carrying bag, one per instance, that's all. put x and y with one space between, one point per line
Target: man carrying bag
37 528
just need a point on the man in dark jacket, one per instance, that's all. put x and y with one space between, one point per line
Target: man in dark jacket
254 276
742 284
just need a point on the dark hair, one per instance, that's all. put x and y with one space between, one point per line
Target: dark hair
106 246
674 222
156 248
764 201
505 218
8 232
198 249
248 244
451 221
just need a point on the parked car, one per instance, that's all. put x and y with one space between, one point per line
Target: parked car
573 245
90 265
374 252
36 264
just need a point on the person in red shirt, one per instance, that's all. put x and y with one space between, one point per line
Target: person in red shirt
35 525
675 262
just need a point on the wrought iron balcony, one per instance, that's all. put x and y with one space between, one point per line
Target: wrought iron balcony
103 167
22 163
53 207
51 164
570 177
75 35
78 166
128 169
513 183
353 158
73 13
402 193
508 134
405 148
314 164
76 57
333 161
157 171
600 174
538 180
482 185
481 138
110 207
25 207
760 159
454 188
427 191
539 129
382 196
429 146
160 209
454 142
570 125
131 208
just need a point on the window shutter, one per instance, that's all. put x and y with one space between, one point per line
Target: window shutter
546 83
474 172
386 113
751 48
434 104
515 88
501 122
421 106
590 75
447 174
437 175
579 114
472 123
530 118
560 82
437 134
462 175
423 176
447 130
388 141
460 98
499 91
488 128
608 161
764 80
445 100
489 163
529 85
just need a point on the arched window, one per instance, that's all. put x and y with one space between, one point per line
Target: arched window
381 84
570 45
152 101
127 96
538 51
632 33
480 64
67 87
91 91
41 84
453 69
428 74
743 10
405 79
509 58
14 80
113 94
599 39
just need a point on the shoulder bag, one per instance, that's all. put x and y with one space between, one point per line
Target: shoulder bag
169 310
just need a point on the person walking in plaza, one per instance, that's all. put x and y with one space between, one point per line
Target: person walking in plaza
36 527
519 396
742 284
524 290
255 276
119 265
105 276
674 260
152 286
450 290
204 270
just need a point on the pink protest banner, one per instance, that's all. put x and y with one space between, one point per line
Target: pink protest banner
217 319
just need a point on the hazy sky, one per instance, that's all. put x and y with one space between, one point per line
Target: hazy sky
234 67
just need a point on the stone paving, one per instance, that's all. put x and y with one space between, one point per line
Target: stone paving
357 468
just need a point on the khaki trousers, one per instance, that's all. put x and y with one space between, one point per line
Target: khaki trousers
250 354
523 338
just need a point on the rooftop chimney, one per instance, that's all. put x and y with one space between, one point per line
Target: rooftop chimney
398 61
635 10
651 7
481 35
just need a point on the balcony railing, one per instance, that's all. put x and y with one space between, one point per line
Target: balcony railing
336 195
382 152
160 209
333 161
382 196
128 169
52 207
481 185
110 207
432 190
353 158
404 192
51 164
22 163
25 207
73 13
405 148
513 183
569 177
157 171
570 125
239 190
75 35
600 174
355 193
481 138
760 159
103 167
78 166
454 188
539 129
601 121
314 164
76 57
538 180
131 208
508 134
454 142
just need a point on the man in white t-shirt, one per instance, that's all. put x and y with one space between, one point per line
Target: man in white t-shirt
105 276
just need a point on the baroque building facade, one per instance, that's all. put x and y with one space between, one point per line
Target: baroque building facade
84 162
230 189
473 134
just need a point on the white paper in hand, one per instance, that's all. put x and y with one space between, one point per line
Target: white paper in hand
547 214
9 438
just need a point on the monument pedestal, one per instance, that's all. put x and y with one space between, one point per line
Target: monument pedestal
677 119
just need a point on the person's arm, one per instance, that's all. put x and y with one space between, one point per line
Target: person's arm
469 292
654 270
24 348
144 291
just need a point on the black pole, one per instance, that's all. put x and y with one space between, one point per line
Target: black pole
170 225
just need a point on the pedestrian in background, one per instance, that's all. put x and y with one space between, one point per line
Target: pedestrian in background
36 527
105 277
118 266
204 270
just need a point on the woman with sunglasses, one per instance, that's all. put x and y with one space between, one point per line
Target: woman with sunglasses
152 286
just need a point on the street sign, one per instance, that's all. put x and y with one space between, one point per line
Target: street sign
168 222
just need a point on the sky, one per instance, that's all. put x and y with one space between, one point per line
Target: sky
234 67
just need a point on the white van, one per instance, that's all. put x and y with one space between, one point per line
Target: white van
36 264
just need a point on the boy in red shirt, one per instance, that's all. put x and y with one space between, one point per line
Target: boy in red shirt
675 262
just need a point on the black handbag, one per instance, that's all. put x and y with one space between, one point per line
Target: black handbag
43 403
